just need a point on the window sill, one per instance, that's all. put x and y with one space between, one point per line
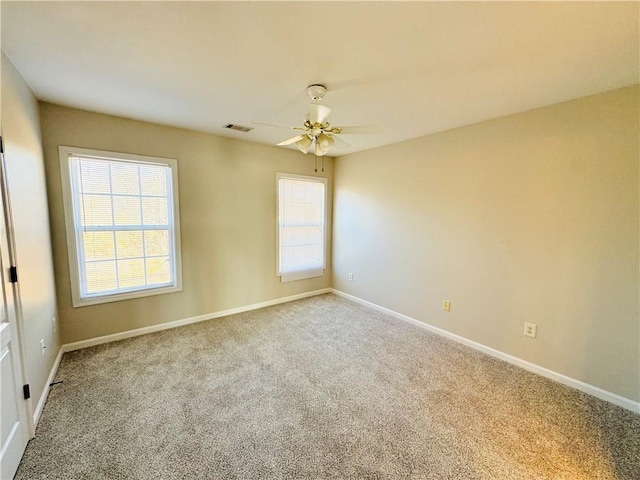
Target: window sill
116 297
301 275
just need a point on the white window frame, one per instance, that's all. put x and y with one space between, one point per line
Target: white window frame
303 274
70 215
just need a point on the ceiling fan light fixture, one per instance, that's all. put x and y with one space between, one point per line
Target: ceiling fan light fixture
324 142
304 144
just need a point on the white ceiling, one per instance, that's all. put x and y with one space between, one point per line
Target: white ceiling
414 67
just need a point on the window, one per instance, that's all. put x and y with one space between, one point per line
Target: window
122 225
301 227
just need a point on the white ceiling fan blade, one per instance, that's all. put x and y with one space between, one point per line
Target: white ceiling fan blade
278 126
319 113
361 129
292 140
340 143
270 125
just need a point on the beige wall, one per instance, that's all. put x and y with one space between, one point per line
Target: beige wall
27 191
531 217
227 214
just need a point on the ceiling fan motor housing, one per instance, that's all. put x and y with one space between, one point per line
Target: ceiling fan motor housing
316 92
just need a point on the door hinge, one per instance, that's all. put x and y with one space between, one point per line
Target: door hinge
13 274
27 391
1 145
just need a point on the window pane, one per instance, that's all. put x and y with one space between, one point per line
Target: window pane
154 179
129 244
313 254
156 242
313 213
314 192
286 236
284 191
93 176
297 256
95 210
98 246
298 236
294 213
154 211
313 235
101 277
286 257
124 178
131 273
126 210
298 191
292 236
158 270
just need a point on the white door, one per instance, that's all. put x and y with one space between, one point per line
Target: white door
14 427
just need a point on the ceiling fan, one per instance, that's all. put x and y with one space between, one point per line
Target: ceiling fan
317 135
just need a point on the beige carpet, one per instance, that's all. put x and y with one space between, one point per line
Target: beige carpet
318 388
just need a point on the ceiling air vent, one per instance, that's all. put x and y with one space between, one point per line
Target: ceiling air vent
240 128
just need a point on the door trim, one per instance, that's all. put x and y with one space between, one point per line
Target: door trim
6 217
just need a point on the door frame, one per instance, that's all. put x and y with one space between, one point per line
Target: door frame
14 305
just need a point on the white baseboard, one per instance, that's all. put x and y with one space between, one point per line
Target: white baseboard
532 367
45 392
68 347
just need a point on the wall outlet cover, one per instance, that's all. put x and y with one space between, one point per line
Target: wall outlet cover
530 329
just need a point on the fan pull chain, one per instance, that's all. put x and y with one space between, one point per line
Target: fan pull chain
315 169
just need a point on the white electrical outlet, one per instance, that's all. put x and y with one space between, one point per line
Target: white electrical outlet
446 305
53 323
350 277
42 347
530 329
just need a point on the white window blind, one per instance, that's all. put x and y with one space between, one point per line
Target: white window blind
124 226
301 227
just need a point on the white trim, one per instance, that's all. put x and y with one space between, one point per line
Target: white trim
69 347
116 297
13 299
605 395
45 392
301 274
